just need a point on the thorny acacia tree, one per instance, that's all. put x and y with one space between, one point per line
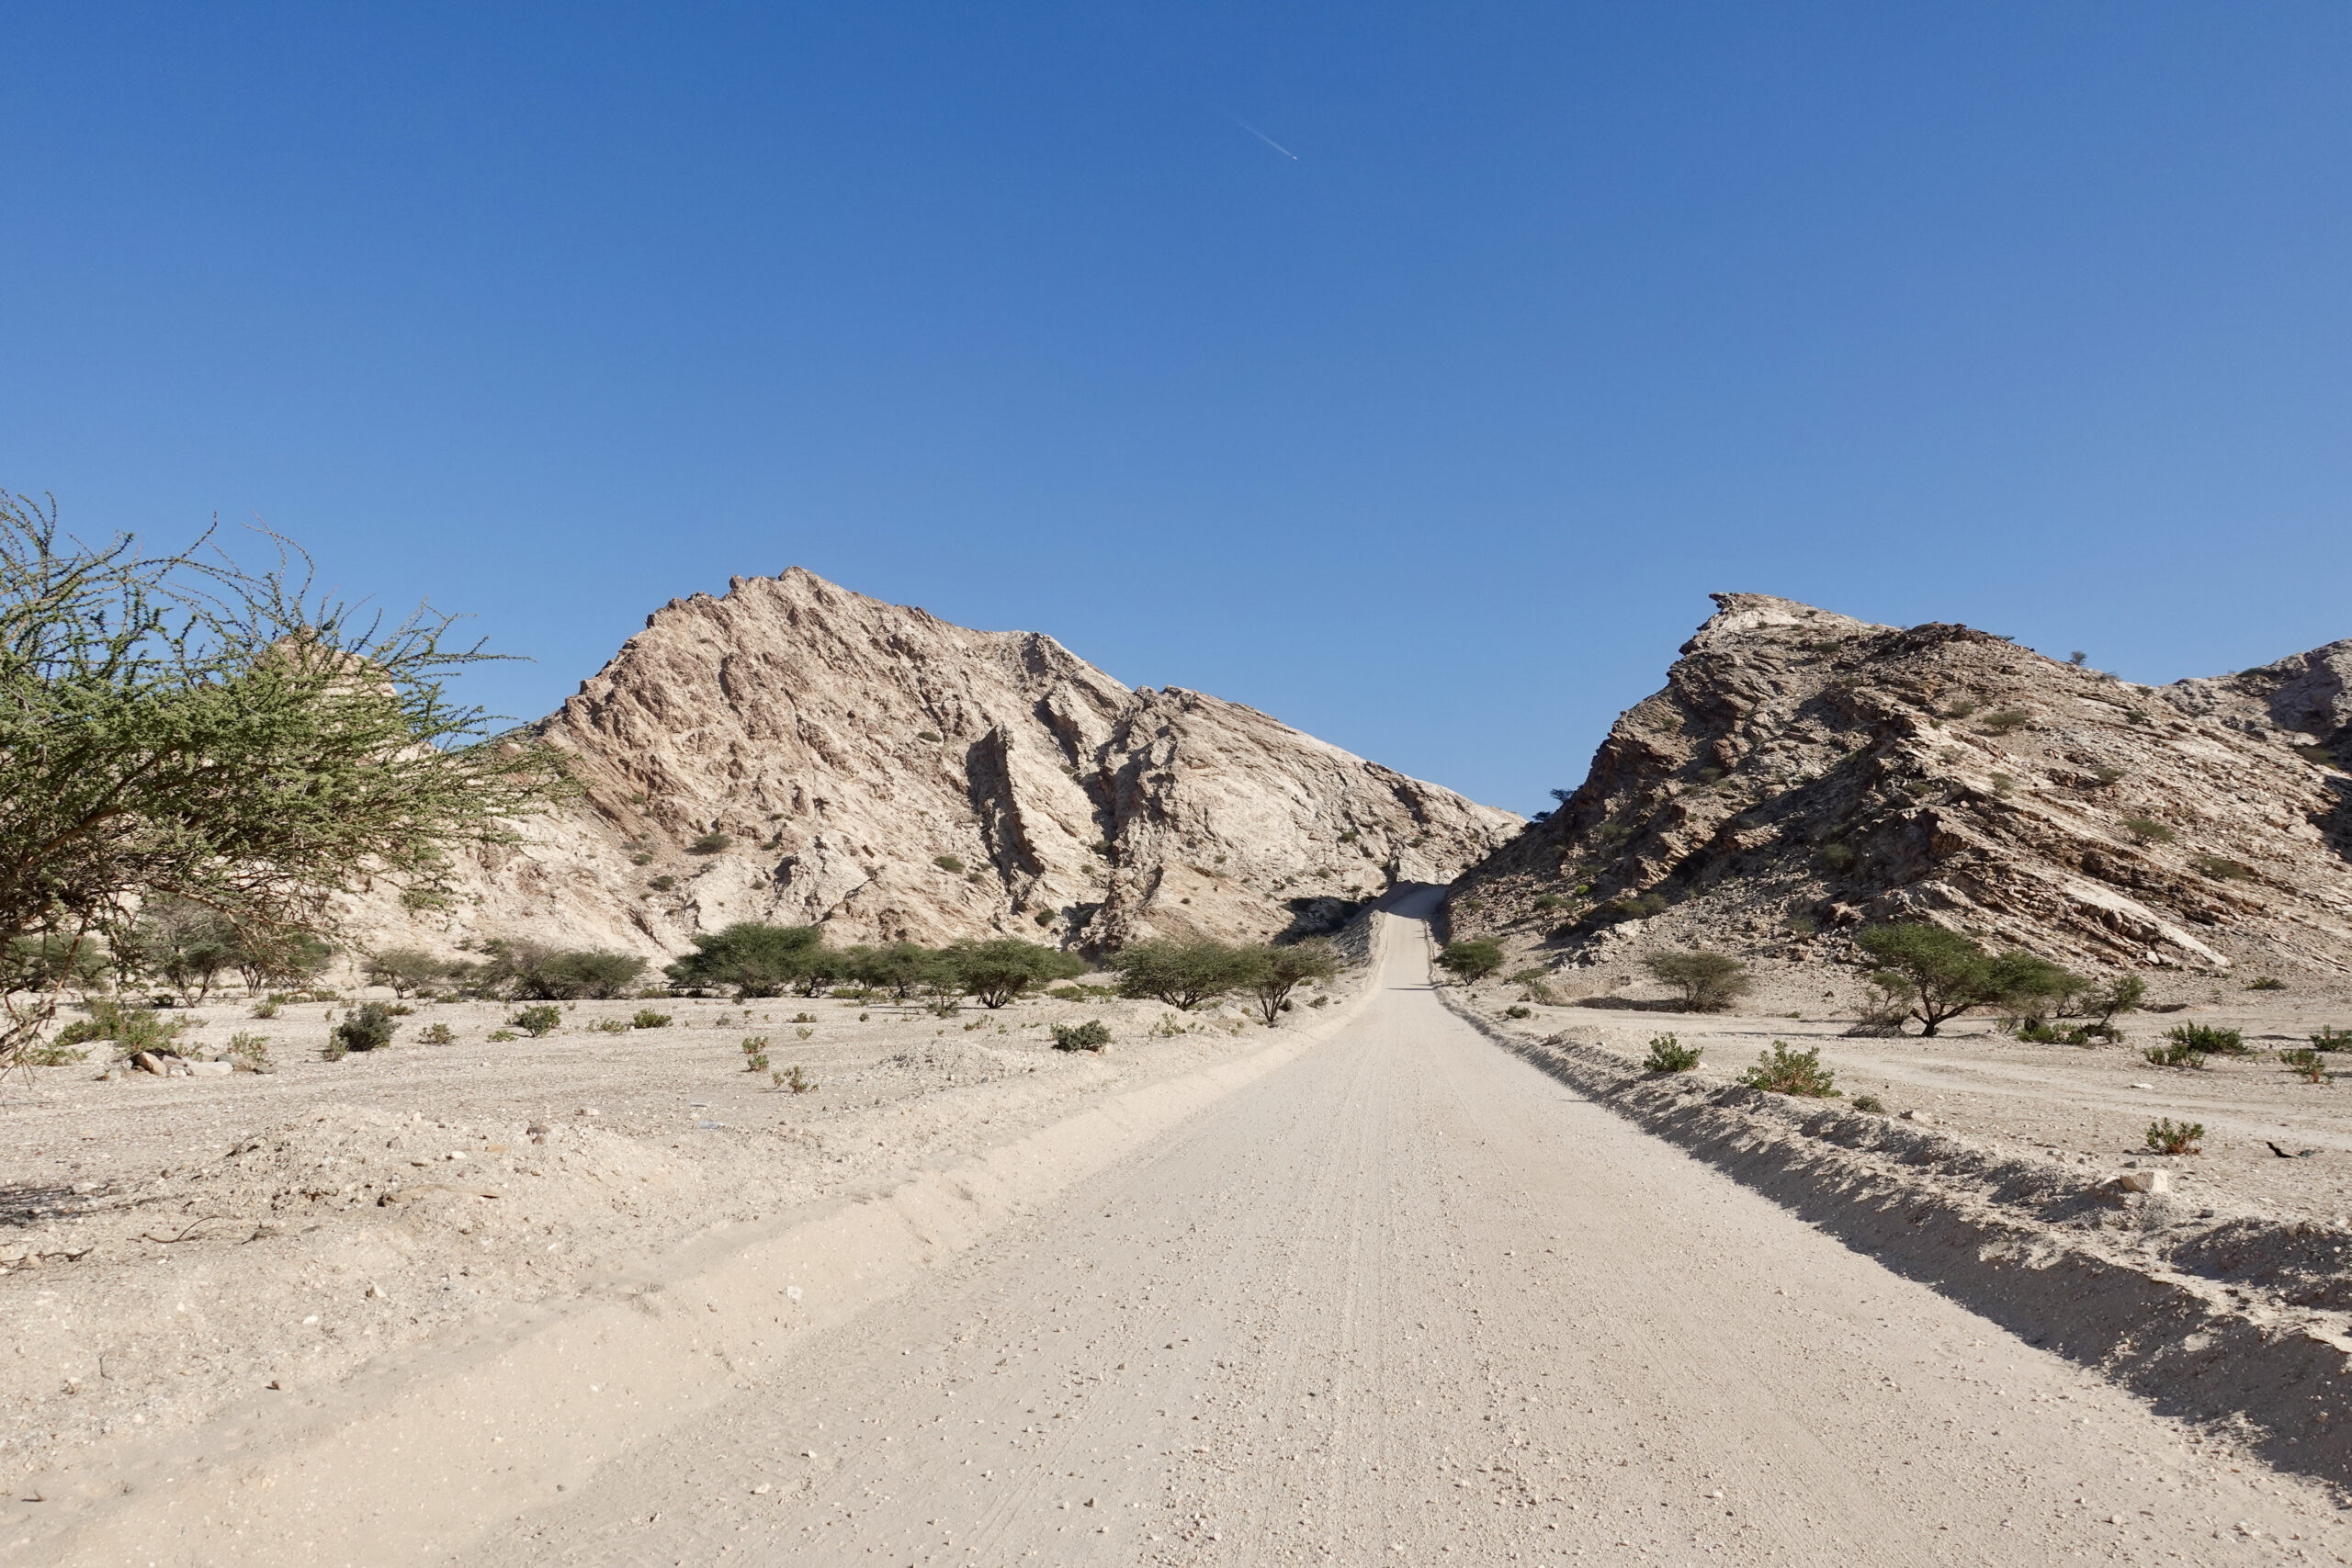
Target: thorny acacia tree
177 727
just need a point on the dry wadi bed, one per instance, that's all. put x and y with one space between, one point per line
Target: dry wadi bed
170 1243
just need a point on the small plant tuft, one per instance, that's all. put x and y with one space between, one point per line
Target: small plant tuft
2268 983
1782 1071
709 844
2305 1064
1868 1102
501 1036
1092 1035
948 864
2148 830
2167 1136
368 1028
250 1052
2221 868
2209 1037
793 1079
543 1018
1519 1009
645 1018
2332 1039
438 1034
1668 1055
755 1054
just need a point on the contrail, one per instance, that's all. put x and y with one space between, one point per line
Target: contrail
1263 137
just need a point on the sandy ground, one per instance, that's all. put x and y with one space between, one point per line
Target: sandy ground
2088 1105
1404 1299
171 1244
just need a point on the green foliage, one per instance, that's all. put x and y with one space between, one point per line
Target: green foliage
929 734
2313 752
609 1026
543 1019
50 962
131 1029
521 970
1868 1102
2221 868
1182 974
177 732
793 1080
2167 1136
755 1054
662 884
1270 974
949 863
1782 1071
2148 831
1710 982
250 1052
1548 902
181 942
2305 1064
1473 960
2332 1039
2174 1053
645 1018
500 1036
368 1027
405 969
1932 974
2007 721
2121 993
1668 1055
749 959
1635 905
2208 1039
1519 1009
438 1034
997 972
2268 983
50 1053
1092 1035
710 843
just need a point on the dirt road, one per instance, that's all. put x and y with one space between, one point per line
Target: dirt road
1408 1301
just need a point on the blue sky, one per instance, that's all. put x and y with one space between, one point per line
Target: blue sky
1430 439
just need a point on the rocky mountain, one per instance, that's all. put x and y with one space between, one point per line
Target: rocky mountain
796 752
1801 773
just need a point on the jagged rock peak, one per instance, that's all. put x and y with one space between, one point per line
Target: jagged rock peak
1802 772
793 752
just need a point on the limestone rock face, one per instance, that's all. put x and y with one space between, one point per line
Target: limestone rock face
797 753
1802 773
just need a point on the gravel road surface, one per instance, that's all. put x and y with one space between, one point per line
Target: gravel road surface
1408 1301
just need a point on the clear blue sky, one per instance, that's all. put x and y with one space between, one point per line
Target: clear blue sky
1428 439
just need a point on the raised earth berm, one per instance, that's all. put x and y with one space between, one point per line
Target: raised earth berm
797 753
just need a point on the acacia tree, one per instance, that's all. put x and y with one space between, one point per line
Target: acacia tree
1182 974
177 727
1274 971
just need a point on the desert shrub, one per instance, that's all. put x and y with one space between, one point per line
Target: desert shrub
2268 983
1782 1071
1961 707
1068 993
405 969
2121 993
2148 830
709 843
250 1052
2106 776
530 971
997 972
1710 982
949 863
804 1033
1270 973
2174 1054
1473 960
645 1018
2209 1038
438 1034
2305 1064
1868 1102
793 1080
1092 1035
268 1007
749 959
662 884
640 858
755 1054
1635 905
1550 901
50 1053
1668 1055
609 1026
542 1019
2221 868
368 1027
2167 1136
500 1036
1519 1009
131 1029
2006 721
1182 974
2331 1039
50 962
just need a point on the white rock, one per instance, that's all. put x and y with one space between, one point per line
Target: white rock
2145 1182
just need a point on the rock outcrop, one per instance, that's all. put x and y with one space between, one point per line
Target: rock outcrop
1802 773
796 752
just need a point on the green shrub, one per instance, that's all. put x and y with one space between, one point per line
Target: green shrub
268 1007
640 858
709 843
543 1019
2007 721
2313 752
793 1080
1519 1009
1668 1055
662 884
2268 983
1473 960
131 1029
2148 830
2221 868
754 959
1932 974
996 973
755 1054
1635 905
929 734
1782 1071
1092 1035
2305 1064
949 862
250 1052
2174 1054
2210 1038
533 972
1710 982
645 1018
50 1054
500 1036
368 1028
2167 1136
1550 901
1182 974
438 1034
1868 1102
405 969
2331 1039
609 1026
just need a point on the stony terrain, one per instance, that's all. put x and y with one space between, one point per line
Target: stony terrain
872 769
1802 772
